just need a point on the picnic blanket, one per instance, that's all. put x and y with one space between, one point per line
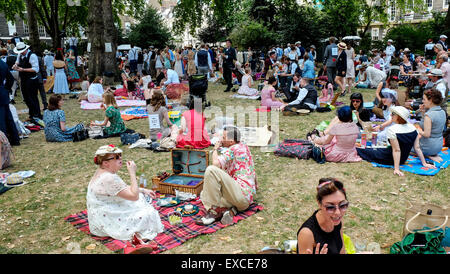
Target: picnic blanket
121 103
134 113
173 235
413 164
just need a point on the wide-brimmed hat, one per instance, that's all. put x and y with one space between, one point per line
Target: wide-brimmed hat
436 72
14 180
109 149
298 42
46 52
20 47
401 111
312 46
406 50
342 45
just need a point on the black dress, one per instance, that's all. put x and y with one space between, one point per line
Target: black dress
333 238
7 124
341 64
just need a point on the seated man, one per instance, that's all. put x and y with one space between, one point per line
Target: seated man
292 91
270 62
307 99
370 77
230 183
286 77
171 76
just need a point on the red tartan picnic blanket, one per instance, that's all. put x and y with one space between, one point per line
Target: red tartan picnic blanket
173 235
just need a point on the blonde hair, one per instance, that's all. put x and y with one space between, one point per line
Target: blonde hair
269 74
108 99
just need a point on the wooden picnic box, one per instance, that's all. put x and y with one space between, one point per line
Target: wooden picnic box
188 166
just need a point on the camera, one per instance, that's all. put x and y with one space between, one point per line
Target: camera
416 104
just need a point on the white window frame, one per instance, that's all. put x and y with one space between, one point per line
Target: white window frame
427 4
12 28
377 31
26 30
391 8
445 3
41 30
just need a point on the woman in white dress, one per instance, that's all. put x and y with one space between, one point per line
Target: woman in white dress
246 86
158 62
95 91
118 210
178 65
350 75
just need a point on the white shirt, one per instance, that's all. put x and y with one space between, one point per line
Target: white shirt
429 46
33 61
390 50
48 61
440 85
375 76
133 54
96 89
301 95
172 77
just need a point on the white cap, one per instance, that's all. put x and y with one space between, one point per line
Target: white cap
443 36
390 41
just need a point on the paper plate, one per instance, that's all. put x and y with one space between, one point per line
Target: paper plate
303 111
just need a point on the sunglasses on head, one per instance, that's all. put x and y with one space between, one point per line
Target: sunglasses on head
332 208
116 157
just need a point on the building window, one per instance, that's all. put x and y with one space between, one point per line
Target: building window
429 3
42 31
375 34
446 2
11 28
392 11
25 29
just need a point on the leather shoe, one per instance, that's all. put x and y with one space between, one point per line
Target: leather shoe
213 215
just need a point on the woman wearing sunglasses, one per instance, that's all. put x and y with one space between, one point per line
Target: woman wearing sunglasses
118 210
322 232
357 107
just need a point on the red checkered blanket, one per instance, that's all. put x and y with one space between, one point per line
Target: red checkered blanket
173 235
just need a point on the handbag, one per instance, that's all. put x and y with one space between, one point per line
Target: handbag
81 134
294 148
130 138
420 243
95 131
318 154
420 215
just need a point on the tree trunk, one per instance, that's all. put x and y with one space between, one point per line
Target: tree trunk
447 23
110 36
33 29
95 38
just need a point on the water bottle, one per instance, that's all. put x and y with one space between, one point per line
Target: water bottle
143 181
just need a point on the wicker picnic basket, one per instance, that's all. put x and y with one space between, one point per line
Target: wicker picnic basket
183 161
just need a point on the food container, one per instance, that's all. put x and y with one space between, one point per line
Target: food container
175 218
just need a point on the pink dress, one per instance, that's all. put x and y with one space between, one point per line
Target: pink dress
266 97
327 94
197 136
342 147
245 89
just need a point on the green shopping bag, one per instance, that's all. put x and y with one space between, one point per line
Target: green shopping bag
420 243
323 125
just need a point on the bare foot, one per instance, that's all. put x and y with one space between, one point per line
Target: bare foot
436 158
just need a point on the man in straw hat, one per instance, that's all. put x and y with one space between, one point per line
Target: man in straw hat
436 76
27 64
442 41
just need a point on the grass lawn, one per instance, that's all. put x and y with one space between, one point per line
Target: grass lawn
31 216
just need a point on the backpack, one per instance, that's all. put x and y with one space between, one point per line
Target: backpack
318 154
294 148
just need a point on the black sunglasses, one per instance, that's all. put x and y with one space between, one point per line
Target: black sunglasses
332 208
116 157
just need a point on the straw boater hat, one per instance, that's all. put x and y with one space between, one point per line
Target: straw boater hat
435 72
406 50
20 47
401 111
342 45
14 180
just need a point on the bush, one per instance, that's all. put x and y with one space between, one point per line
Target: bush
252 34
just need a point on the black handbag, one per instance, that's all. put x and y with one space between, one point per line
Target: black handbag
80 135
318 154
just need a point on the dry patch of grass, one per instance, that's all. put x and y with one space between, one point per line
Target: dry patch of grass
31 217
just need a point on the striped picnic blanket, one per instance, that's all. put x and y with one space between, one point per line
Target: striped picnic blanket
173 235
134 113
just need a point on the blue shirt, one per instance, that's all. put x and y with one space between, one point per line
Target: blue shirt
308 70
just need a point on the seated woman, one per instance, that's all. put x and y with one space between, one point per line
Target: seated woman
268 95
95 91
388 101
157 114
246 87
339 143
55 121
118 210
322 233
134 91
403 137
193 131
112 112
6 153
145 80
357 107
432 126
125 75
327 90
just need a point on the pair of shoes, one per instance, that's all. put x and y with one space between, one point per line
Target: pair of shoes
213 215
227 218
343 93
